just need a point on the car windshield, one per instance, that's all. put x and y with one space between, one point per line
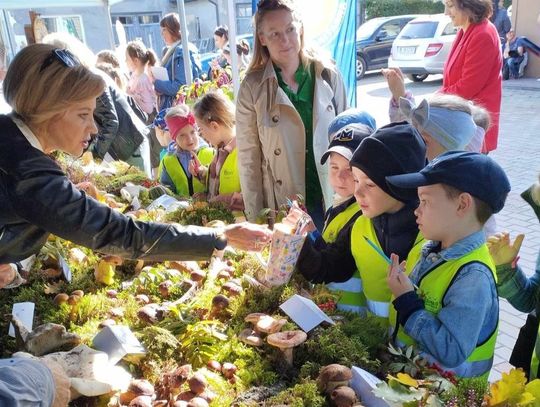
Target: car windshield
367 29
420 29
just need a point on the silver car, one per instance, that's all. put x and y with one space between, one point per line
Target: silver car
422 46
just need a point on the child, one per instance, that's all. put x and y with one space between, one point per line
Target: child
522 292
453 314
387 220
162 133
214 114
140 87
181 160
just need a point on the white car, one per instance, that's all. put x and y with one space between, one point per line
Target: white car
422 47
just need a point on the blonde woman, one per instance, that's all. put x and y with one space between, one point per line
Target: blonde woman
53 97
284 106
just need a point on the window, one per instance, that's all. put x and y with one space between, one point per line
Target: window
125 20
449 29
67 24
389 30
243 10
420 29
149 19
243 18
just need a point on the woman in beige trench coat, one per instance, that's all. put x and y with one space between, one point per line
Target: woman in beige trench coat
271 135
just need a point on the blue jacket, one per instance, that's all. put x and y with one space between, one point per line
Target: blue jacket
520 291
177 77
470 311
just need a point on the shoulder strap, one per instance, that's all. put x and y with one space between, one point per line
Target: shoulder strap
326 77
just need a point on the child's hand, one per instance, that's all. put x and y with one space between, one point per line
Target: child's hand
396 82
194 165
398 282
501 250
294 216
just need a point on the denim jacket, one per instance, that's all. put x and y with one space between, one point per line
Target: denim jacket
470 309
520 291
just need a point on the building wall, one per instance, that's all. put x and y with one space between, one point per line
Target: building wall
525 14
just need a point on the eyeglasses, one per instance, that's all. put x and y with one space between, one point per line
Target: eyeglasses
62 55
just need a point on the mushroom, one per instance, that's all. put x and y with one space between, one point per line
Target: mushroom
224 275
197 383
142 299
73 300
250 337
343 396
332 376
219 303
112 293
208 395
269 325
254 317
161 403
286 341
141 387
107 322
179 376
79 293
214 365
198 276
228 370
186 396
117 312
50 273
232 288
141 401
165 288
197 402
61 298
148 313
77 256
180 403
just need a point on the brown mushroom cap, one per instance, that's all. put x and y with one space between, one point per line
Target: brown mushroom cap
73 299
250 337
141 387
79 293
254 317
61 298
214 365
197 275
197 383
197 402
335 373
343 396
228 370
287 339
220 301
232 288
270 325
141 401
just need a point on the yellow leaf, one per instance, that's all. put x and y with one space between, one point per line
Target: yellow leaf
509 389
104 272
405 379
533 388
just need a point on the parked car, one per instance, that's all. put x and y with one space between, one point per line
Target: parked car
374 41
422 47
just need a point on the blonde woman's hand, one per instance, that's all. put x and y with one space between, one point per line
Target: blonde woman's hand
502 250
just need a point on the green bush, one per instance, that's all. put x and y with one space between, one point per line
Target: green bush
383 8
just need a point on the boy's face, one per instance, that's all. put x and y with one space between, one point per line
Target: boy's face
437 213
341 178
187 138
373 200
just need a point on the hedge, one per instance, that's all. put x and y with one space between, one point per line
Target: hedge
382 8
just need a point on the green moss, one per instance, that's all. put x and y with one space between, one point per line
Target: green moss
303 394
467 392
200 213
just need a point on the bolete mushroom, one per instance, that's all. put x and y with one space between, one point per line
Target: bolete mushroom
61 298
286 341
112 293
197 275
141 401
197 402
250 337
197 383
254 317
220 303
186 396
332 376
232 288
214 365
165 288
142 299
79 293
228 370
343 396
269 325
179 376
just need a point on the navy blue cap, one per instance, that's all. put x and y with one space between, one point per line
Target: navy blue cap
396 148
346 140
351 116
474 173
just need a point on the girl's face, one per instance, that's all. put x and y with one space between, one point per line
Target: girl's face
219 41
132 63
341 178
210 131
187 138
433 147
281 35
372 199
167 36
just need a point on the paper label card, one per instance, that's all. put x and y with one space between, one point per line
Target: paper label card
24 312
304 312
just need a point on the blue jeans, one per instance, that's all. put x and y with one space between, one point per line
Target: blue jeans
513 65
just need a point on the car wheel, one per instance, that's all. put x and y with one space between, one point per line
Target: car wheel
418 78
361 67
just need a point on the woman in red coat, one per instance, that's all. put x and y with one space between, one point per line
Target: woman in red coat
473 68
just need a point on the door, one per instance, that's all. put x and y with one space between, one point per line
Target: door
141 26
383 39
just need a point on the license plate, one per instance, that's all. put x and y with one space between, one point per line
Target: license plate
406 50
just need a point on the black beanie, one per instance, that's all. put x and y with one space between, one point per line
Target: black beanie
393 149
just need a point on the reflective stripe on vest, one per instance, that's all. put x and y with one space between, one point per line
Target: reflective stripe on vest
229 177
351 296
178 175
373 268
432 288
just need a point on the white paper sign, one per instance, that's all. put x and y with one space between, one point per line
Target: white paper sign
24 312
117 341
304 312
160 73
363 384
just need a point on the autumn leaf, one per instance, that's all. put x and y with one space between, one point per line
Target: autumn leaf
533 388
53 288
509 390
404 379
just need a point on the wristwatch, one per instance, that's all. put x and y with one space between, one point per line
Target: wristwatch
221 241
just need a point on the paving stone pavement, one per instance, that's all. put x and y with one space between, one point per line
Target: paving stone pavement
519 154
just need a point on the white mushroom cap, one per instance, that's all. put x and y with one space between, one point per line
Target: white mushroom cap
287 339
270 325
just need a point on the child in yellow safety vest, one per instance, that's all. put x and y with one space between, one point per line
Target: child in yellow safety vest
215 117
448 306
178 168
387 223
